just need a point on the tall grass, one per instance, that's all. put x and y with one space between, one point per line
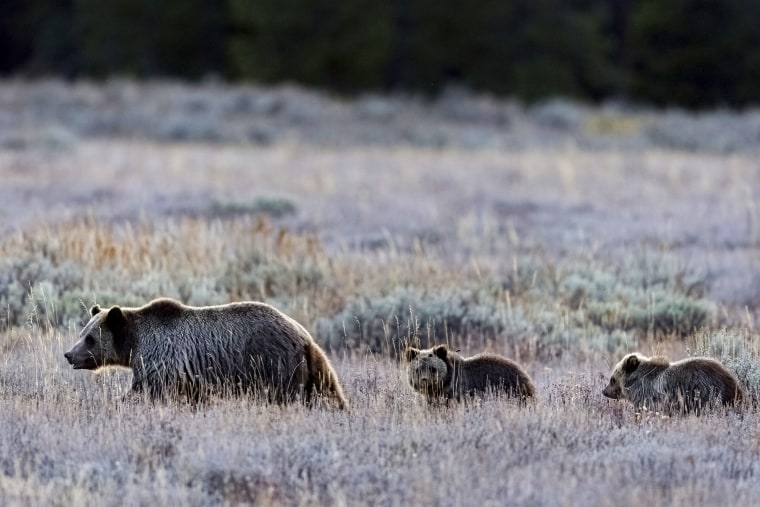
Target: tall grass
71 438
561 251
376 301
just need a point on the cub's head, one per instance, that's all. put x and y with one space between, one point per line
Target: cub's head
622 371
102 342
427 368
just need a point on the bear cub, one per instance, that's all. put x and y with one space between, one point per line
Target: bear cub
440 373
686 386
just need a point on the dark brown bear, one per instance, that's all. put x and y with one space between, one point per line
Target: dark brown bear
441 373
688 385
188 351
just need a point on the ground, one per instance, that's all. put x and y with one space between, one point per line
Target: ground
558 234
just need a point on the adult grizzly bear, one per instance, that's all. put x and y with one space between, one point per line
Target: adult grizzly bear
441 373
190 351
688 385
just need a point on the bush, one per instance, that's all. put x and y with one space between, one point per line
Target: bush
651 299
407 316
31 287
475 318
270 278
276 207
53 278
669 315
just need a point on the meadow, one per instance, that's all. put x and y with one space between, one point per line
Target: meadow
560 235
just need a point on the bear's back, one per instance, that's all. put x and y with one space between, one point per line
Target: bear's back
701 380
484 372
241 343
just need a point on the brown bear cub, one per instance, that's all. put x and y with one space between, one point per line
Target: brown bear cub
686 386
441 373
175 349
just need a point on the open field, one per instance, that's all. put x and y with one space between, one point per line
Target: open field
559 235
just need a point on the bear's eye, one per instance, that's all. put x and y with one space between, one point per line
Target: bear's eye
89 341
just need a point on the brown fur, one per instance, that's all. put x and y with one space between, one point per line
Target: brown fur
688 385
441 373
177 349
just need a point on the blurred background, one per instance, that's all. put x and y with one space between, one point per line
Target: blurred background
688 53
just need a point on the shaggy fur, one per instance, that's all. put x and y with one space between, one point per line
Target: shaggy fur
177 349
688 385
439 372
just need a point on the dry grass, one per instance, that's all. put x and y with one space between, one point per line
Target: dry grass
69 439
562 258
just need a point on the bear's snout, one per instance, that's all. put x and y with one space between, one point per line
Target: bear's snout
611 392
80 361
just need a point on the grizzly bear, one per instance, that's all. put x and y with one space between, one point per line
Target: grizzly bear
192 351
686 386
441 373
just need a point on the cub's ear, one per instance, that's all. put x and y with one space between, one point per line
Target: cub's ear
94 310
441 351
631 363
411 353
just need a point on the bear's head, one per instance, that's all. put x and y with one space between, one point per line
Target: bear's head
622 371
102 342
427 368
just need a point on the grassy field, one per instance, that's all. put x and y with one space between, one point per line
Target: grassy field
558 235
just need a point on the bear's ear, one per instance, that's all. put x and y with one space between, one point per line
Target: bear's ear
117 324
94 310
441 351
631 363
411 353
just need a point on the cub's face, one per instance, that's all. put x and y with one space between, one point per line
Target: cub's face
426 368
100 340
616 388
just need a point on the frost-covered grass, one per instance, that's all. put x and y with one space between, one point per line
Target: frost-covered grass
559 235
68 439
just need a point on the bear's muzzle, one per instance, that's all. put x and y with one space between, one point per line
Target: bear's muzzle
86 363
611 392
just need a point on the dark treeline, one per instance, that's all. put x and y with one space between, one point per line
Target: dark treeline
692 53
